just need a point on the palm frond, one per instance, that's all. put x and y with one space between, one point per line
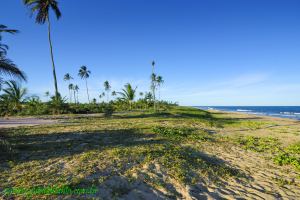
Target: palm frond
7 67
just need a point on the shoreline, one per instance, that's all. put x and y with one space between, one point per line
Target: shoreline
249 114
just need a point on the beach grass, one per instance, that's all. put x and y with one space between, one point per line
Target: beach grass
180 153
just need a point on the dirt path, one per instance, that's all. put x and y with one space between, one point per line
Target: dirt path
15 122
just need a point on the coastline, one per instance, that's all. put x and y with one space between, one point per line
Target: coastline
276 117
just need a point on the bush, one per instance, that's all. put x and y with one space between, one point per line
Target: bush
287 159
108 110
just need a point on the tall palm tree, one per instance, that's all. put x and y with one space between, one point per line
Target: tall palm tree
14 93
68 77
153 64
76 89
47 94
128 94
107 88
153 88
153 84
41 8
84 73
101 96
7 67
71 88
160 81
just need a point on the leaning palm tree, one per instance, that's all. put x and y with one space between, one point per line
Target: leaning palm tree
7 67
68 77
41 8
84 73
5 29
14 94
71 87
107 88
128 94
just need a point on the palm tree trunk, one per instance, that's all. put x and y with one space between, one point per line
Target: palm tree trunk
70 94
74 96
52 58
77 97
87 90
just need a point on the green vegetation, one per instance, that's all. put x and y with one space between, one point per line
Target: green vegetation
265 144
289 156
282 156
121 150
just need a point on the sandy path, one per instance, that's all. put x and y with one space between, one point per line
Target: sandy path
15 122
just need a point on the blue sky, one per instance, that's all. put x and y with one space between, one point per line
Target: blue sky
210 52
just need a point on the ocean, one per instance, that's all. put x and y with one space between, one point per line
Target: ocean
292 112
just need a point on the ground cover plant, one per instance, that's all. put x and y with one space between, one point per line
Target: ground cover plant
137 153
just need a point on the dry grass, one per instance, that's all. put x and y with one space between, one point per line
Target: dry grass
146 155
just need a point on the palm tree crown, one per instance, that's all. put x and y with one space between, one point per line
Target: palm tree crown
42 7
106 86
5 29
160 80
128 93
84 73
67 77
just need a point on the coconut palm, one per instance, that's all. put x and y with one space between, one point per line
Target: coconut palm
47 94
153 83
76 89
42 8
160 81
5 29
153 88
68 77
128 94
107 88
100 97
71 88
84 73
14 94
7 67
153 64
141 94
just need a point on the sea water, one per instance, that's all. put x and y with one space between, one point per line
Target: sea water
292 112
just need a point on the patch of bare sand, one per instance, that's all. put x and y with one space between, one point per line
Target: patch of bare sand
17 122
262 181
